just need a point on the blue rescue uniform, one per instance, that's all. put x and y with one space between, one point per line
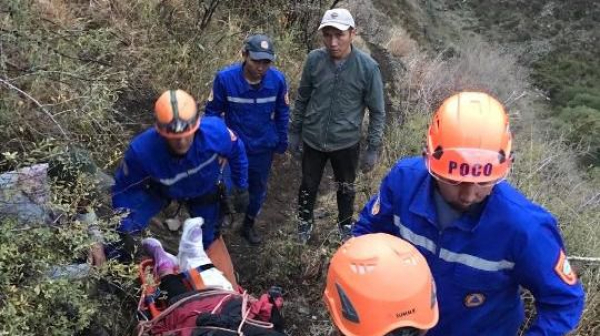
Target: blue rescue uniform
259 115
480 260
150 176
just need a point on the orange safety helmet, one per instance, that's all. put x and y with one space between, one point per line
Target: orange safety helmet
469 139
176 114
378 283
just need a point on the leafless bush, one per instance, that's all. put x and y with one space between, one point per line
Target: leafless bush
401 44
472 66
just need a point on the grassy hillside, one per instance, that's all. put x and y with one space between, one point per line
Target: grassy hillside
560 41
85 73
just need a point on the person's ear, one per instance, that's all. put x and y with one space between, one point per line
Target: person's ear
424 152
425 155
352 32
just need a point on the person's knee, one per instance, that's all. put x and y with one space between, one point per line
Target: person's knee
346 188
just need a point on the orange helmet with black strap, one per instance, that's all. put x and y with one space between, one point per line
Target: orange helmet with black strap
469 140
379 284
176 114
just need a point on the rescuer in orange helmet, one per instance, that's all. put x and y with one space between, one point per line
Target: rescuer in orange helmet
179 159
380 285
482 238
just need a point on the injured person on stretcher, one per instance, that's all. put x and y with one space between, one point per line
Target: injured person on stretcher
194 298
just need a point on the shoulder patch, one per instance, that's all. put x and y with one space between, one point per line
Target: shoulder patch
474 300
232 135
564 270
210 96
376 206
286 98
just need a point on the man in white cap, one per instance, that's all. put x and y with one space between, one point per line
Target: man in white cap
338 82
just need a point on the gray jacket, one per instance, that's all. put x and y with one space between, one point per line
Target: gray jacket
331 101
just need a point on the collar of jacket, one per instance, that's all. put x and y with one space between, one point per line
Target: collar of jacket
351 56
265 83
423 205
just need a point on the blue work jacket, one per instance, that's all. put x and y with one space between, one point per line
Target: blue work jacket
260 115
150 175
479 261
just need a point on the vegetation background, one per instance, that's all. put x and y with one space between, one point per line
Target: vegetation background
78 79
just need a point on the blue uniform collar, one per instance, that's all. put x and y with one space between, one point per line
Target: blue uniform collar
423 205
266 82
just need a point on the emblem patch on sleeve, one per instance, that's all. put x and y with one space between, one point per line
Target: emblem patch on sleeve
376 206
474 300
564 270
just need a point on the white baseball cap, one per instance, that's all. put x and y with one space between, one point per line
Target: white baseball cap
339 18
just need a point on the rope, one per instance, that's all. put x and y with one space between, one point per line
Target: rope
147 325
591 260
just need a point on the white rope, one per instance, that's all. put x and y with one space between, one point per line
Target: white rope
585 259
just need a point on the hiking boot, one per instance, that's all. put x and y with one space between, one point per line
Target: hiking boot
164 263
345 232
304 231
249 232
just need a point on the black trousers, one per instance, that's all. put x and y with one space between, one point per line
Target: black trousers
173 285
344 163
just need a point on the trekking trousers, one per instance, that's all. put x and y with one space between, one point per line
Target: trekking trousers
259 167
344 163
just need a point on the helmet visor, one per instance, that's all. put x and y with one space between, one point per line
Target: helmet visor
178 128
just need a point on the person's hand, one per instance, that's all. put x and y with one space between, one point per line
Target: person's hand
294 145
369 160
281 147
241 199
96 255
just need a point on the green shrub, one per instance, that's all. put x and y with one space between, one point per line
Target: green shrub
582 126
30 300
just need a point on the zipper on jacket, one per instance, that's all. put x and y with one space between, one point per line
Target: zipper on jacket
336 93
439 242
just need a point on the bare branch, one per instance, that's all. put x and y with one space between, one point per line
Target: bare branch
28 96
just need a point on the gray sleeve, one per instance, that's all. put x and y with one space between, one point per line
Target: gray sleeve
302 98
375 102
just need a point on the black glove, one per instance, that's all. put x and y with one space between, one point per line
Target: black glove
369 160
241 199
294 146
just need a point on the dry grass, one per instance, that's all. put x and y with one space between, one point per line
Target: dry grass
97 66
